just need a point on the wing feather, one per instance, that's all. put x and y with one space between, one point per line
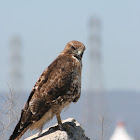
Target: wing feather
53 82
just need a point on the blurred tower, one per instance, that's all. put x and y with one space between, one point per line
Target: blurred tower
94 102
16 63
96 81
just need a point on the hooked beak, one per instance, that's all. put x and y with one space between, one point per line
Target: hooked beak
80 54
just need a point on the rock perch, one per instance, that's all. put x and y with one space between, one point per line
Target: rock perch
74 132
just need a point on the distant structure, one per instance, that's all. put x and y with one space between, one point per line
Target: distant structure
96 81
16 63
94 111
120 133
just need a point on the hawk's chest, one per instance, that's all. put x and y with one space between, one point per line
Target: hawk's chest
78 65
76 78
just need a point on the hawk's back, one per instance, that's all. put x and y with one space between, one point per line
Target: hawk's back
57 87
65 75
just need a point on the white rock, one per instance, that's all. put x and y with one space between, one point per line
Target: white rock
75 132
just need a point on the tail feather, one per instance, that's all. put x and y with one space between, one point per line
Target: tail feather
19 132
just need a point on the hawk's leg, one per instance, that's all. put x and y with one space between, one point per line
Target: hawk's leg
59 121
40 130
63 127
60 126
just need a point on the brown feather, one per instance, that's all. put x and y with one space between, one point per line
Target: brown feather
57 87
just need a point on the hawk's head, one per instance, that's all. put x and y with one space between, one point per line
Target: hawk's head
74 48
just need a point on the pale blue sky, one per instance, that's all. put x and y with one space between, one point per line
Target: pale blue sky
46 26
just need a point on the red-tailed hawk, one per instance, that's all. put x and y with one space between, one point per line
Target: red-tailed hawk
57 87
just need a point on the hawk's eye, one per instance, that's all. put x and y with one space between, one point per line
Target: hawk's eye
73 47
